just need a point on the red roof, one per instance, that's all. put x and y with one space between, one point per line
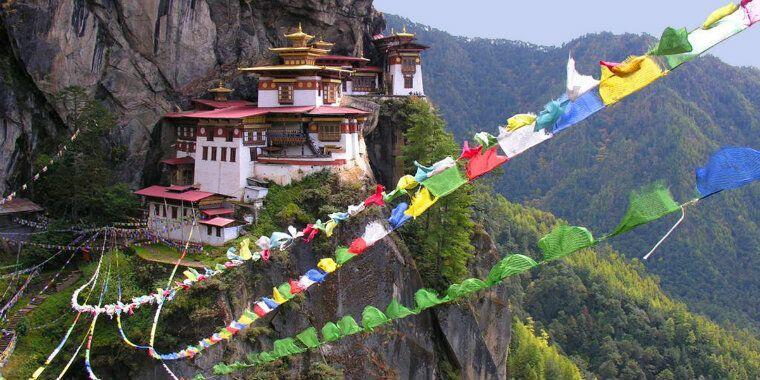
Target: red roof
235 112
179 160
218 104
329 110
164 192
369 69
217 211
218 222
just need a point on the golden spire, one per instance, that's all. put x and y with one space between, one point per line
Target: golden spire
220 92
299 38
404 33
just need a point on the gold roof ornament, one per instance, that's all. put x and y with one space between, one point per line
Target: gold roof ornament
322 44
404 33
220 89
299 38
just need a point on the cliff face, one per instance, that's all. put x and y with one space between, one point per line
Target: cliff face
144 58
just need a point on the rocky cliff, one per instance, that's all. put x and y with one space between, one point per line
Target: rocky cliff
142 59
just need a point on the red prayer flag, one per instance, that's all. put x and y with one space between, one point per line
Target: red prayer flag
609 65
265 255
484 163
259 311
377 198
467 152
309 233
295 287
357 246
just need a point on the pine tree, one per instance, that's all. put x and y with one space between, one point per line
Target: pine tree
440 238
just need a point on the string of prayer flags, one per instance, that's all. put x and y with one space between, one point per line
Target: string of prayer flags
484 163
396 310
673 41
468 152
372 318
564 240
728 168
486 140
752 9
373 232
646 205
577 85
427 298
397 192
703 39
578 110
421 201
342 255
551 113
327 264
719 14
628 77
445 182
471 285
520 120
514 143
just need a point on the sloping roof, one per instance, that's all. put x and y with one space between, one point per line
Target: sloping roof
217 211
369 69
218 104
164 192
329 110
346 58
19 205
218 222
179 160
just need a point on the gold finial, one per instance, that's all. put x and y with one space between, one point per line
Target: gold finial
404 29
300 30
393 31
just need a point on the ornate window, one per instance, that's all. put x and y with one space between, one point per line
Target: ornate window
409 65
363 84
285 93
408 81
329 132
233 152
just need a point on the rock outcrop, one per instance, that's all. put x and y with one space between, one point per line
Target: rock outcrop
145 58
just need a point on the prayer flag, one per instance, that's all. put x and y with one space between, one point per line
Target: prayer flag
719 14
578 110
728 168
421 201
445 182
564 240
514 143
673 41
646 205
577 85
482 164
628 77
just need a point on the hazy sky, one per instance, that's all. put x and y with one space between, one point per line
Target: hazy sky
552 22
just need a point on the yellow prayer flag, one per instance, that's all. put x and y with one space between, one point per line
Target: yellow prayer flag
615 86
278 297
407 182
245 320
245 251
329 227
718 14
520 120
327 265
224 334
421 201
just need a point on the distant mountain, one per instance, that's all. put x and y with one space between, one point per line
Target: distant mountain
585 174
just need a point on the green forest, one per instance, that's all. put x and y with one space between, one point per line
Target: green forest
584 174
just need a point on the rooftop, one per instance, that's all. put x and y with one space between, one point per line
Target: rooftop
189 195
217 104
179 161
217 211
19 205
239 112
217 222
346 58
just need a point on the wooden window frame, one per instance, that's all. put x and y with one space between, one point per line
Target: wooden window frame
213 153
233 154
285 93
331 135
408 81
205 153
223 155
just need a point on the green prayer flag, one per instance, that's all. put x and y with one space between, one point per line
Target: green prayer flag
673 41
510 265
645 205
397 192
564 240
486 140
445 182
470 285
395 310
342 255
425 298
309 337
267 357
222 369
253 358
330 332
284 290
286 347
348 326
373 317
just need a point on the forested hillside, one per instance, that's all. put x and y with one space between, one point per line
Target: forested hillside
584 174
